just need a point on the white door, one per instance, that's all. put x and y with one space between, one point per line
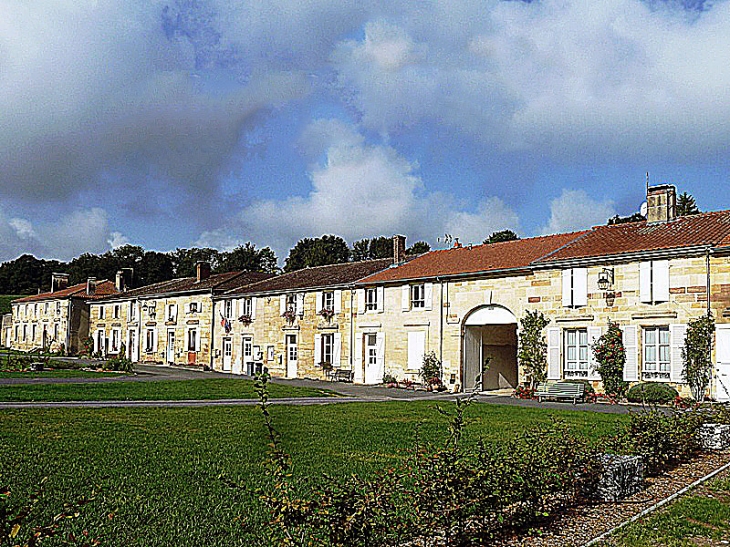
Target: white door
247 353
373 363
722 366
132 346
170 350
227 354
291 356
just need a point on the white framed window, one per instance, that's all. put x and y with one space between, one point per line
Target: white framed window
657 360
132 311
16 332
45 308
171 313
418 295
58 308
228 309
35 309
150 340
371 349
247 307
102 312
291 348
117 311
327 345
575 287
55 332
33 332
654 281
25 332
194 307
328 300
247 349
115 342
193 340
371 299
576 353
291 302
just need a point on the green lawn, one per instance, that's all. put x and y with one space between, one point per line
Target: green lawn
158 469
701 518
163 390
59 373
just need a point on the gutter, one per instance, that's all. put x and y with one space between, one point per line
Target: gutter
696 250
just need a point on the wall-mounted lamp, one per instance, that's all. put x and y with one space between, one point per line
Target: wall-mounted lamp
605 279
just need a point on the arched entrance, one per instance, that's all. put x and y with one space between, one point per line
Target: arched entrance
489 332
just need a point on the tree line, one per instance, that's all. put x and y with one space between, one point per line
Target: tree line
27 274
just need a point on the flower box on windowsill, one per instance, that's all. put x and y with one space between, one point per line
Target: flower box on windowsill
245 319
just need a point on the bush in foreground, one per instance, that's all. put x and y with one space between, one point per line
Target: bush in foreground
652 393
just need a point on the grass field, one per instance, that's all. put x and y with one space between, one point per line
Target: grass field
164 390
701 518
59 373
157 470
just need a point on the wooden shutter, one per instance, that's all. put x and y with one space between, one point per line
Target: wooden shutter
661 280
580 287
645 282
317 349
360 301
300 304
253 307
631 366
416 349
337 349
282 304
198 336
357 358
380 295
155 339
553 355
428 298
676 339
594 333
722 348
319 300
567 288
380 349
405 299
338 302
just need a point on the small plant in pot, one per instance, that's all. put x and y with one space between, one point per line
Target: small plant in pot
289 315
431 372
327 313
245 319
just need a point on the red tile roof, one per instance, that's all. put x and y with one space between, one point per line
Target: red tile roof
507 255
332 275
104 288
705 229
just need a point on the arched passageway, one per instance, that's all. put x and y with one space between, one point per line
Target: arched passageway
489 357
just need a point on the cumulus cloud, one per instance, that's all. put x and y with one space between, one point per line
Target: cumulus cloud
576 210
492 215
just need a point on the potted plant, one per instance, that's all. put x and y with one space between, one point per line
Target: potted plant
327 313
289 315
245 319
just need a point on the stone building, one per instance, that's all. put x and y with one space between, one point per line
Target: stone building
166 322
296 325
57 320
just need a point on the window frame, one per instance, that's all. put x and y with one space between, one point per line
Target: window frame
327 348
656 369
371 299
418 296
576 367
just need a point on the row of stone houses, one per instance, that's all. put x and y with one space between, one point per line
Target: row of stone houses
464 304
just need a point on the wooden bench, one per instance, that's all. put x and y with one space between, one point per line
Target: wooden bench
341 375
561 390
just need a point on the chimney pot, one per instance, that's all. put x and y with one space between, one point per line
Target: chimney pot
661 203
119 284
91 286
399 249
202 270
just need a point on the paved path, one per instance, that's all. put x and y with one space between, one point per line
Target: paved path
348 393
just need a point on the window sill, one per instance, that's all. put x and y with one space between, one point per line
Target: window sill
655 315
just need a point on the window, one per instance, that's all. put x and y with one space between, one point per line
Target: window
418 296
193 340
117 311
291 302
45 308
132 311
575 287
247 307
247 350
101 311
16 332
58 308
172 313
576 353
194 307
371 349
654 281
33 333
35 309
55 331
371 299
25 332
149 341
116 336
657 357
327 349
328 300
228 309
291 348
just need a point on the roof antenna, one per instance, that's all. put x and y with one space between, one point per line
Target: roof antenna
647 183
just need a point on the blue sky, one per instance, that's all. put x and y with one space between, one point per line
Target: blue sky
210 122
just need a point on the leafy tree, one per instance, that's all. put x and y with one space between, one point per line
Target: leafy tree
320 251
696 355
502 235
636 217
153 268
532 351
26 274
611 356
370 249
247 258
90 265
184 260
686 205
418 248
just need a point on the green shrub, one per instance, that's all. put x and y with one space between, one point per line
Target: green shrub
652 393
610 354
121 364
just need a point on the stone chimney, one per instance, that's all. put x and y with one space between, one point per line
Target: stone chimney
119 283
399 249
59 281
661 202
202 270
91 286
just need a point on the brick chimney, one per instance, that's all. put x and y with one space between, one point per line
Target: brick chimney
59 281
202 270
91 286
399 249
661 202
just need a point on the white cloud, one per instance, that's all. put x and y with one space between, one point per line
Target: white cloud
576 210
492 215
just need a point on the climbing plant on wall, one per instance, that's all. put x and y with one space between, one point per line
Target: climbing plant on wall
532 351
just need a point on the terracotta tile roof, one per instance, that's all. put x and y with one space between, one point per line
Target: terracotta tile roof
104 288
215 283
332 275
507 255
705 229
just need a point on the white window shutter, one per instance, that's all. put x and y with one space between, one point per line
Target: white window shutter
553 355
567 288
380 294
317 349
380 348
253 307
154 341
338 302
174 312
360 301
428 300
282 304
357 359
580 287
405 301
198 336
594 333
416 349
722 348
661 280
645 282
300 304
318 308
676 339
337 350
631 366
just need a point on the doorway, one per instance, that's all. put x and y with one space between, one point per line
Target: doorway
227 354
489 356
292 356
170 349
